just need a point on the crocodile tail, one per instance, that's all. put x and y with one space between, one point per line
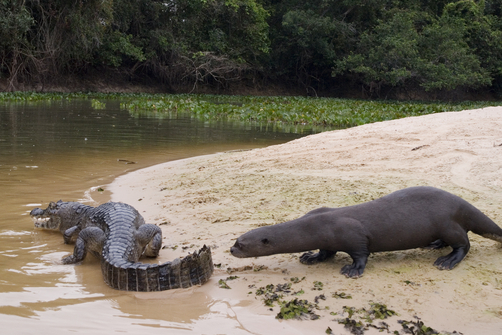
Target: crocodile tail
194 269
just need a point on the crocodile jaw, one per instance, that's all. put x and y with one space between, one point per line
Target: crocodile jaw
43 220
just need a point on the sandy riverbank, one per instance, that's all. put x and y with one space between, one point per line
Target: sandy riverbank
213 199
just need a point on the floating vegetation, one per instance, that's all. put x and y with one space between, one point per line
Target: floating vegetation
255 268
299 292
418 328
35 96
96 104
355 320
366 317
355 327
263 290
350 311
318 286
278 110
296 280
297 309
222 283
331 112
270 294
377 311
319 297
286 288
380 311
341 295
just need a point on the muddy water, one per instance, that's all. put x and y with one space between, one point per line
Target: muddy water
68 150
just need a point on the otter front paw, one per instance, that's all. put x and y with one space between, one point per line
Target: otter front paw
309 258
437 244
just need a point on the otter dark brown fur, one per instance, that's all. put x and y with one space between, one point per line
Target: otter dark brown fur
410 218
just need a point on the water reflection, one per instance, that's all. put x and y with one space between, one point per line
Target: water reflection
68 150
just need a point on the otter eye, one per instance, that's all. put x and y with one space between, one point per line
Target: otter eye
265 241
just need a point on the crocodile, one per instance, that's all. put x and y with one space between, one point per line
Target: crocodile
117 234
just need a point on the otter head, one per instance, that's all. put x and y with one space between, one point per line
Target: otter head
257 242
56 216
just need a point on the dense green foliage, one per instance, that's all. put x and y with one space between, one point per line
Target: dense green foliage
325 113
374 44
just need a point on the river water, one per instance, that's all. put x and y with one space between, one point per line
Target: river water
69 150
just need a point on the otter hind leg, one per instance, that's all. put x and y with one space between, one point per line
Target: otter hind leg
356 269
310 258
458 240
451 260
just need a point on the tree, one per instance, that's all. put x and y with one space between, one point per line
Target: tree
386 55
414 48
196 41
67 33
15 51
447 60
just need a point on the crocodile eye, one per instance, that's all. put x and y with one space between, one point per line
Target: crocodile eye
265 241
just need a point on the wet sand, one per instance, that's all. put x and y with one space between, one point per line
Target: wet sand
213 199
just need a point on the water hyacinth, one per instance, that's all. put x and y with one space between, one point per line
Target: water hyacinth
320 112
331 112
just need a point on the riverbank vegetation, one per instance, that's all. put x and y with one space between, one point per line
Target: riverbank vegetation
309 111
378 49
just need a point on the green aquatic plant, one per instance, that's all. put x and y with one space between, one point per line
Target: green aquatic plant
270 294
290 113
297 309
263 290
355 327
296 279
318 286
321 112
417 327
380 311
341 295
96 104
222 283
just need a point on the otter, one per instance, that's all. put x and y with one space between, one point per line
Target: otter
415 217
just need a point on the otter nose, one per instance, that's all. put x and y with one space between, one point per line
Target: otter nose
237 246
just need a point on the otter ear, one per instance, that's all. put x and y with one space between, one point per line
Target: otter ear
265 241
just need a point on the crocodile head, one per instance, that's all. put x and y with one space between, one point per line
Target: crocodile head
51 217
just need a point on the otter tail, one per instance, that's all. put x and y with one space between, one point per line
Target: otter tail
481 224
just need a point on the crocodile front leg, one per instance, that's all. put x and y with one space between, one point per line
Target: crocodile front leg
89 239
71 234
149 236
